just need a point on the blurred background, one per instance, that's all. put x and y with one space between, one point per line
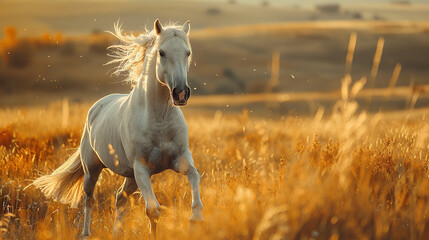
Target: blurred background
282 55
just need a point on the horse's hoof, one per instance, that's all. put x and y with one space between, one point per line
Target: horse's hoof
197 217
199 220
117 229
84 235
153 213
195 224
196 220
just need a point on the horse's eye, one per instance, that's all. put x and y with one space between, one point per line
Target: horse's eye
188 54
161 53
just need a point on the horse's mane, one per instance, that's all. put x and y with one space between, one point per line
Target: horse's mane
131 51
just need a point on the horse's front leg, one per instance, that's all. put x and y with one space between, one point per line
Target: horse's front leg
153 209
185 165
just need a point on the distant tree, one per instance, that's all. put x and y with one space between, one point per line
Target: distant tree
213 11
15 53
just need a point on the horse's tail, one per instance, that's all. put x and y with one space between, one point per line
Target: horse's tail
65 183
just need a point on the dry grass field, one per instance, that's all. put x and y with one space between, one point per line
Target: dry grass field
348 175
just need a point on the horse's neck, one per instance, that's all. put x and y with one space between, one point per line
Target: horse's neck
149 93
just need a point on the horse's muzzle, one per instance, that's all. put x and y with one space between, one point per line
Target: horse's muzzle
181 96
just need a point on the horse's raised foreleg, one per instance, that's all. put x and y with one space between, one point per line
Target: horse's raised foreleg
185 165
153 209
128 187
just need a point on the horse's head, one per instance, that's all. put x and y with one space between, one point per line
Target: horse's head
173 58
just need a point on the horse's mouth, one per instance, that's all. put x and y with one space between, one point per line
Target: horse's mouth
180 103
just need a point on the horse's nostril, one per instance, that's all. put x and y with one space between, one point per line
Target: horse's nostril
188 93
175 96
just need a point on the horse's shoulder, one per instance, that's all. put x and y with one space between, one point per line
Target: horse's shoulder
95 110
93 113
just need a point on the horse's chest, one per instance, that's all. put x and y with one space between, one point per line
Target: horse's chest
161 153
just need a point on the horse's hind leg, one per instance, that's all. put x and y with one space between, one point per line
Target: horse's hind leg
128 187
92 167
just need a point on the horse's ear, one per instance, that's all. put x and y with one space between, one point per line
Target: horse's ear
158 27
186 27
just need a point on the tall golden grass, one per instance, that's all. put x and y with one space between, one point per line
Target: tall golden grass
349 175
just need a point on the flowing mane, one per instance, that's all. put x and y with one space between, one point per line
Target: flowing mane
130 53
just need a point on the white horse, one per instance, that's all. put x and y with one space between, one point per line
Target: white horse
138 134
